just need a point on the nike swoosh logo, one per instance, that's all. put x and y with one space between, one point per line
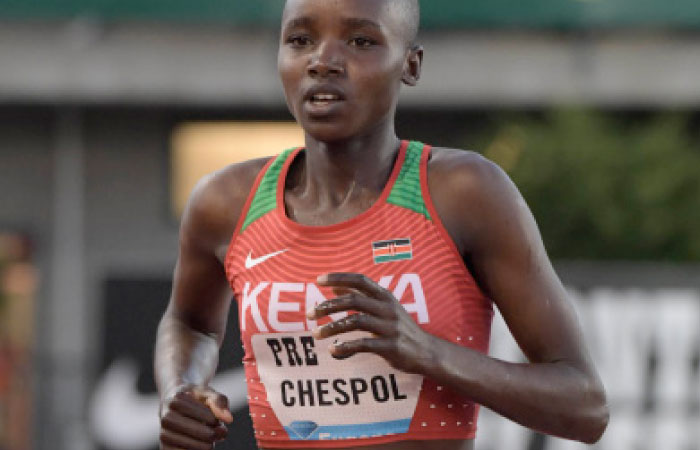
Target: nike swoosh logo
251 262
122 418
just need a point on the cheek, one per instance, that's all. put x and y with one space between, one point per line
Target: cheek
289 76
382 86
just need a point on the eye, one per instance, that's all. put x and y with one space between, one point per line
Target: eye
298 40
362 42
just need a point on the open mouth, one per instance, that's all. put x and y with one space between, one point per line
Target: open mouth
324 99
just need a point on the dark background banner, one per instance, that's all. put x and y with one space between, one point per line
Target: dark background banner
132 310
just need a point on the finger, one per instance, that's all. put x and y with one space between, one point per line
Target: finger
188 427
338 291
169 447
343 350
220 432
356 281
365 322
179 441
217 403
186 404
352 302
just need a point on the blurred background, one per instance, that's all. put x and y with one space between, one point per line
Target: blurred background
111 110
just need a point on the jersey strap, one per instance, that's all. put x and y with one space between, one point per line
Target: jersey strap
265 199
407 192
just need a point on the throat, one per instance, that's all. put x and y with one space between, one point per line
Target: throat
326 186
307 210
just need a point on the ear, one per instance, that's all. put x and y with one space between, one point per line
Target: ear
412 66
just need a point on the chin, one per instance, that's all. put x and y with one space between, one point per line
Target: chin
327 132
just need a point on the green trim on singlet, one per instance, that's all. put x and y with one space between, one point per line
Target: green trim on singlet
265 199
407 192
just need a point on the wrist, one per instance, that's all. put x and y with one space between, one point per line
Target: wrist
429 357
171 390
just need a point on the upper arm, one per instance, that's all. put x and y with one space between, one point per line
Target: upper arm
498 236
201 296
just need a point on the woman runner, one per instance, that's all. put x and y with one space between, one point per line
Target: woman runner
365 268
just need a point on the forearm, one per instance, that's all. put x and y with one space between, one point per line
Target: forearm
554 398
183 355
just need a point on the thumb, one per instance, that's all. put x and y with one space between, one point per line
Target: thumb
219 406
217 403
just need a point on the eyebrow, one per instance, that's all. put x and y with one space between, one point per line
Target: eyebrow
351 22
299 22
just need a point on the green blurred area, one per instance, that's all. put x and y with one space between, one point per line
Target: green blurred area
602 186
436 13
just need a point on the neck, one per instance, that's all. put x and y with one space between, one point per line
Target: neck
338 172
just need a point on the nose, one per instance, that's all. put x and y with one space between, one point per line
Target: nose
327 61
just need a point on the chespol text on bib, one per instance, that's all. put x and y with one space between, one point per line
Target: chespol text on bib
316 396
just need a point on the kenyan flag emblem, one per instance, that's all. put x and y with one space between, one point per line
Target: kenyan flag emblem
393 250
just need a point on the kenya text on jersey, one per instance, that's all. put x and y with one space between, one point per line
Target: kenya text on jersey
286 297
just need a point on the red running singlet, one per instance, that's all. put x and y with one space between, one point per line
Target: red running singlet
299 395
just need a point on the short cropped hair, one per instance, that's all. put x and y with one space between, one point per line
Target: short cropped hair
410 9
409 12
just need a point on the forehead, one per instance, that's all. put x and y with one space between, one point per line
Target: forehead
383 12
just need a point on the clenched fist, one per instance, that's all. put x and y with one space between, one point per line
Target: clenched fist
193 418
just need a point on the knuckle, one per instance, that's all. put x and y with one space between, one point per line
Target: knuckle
335 304
355 278
392 329
325 307
350 299
393 312
210 434
393 345
204 446
364 344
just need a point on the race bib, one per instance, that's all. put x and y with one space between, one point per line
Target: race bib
316 396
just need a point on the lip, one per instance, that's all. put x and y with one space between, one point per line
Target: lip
323 110
324 89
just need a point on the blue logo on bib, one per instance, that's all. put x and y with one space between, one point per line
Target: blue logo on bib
303 428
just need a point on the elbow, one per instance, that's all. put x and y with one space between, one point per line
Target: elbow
596 416
596 426
585 414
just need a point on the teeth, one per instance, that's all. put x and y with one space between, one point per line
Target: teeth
324 97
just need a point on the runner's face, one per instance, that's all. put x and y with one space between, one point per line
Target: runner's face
341 63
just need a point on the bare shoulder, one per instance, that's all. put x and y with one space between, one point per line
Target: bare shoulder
469 192
216 203
465 170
